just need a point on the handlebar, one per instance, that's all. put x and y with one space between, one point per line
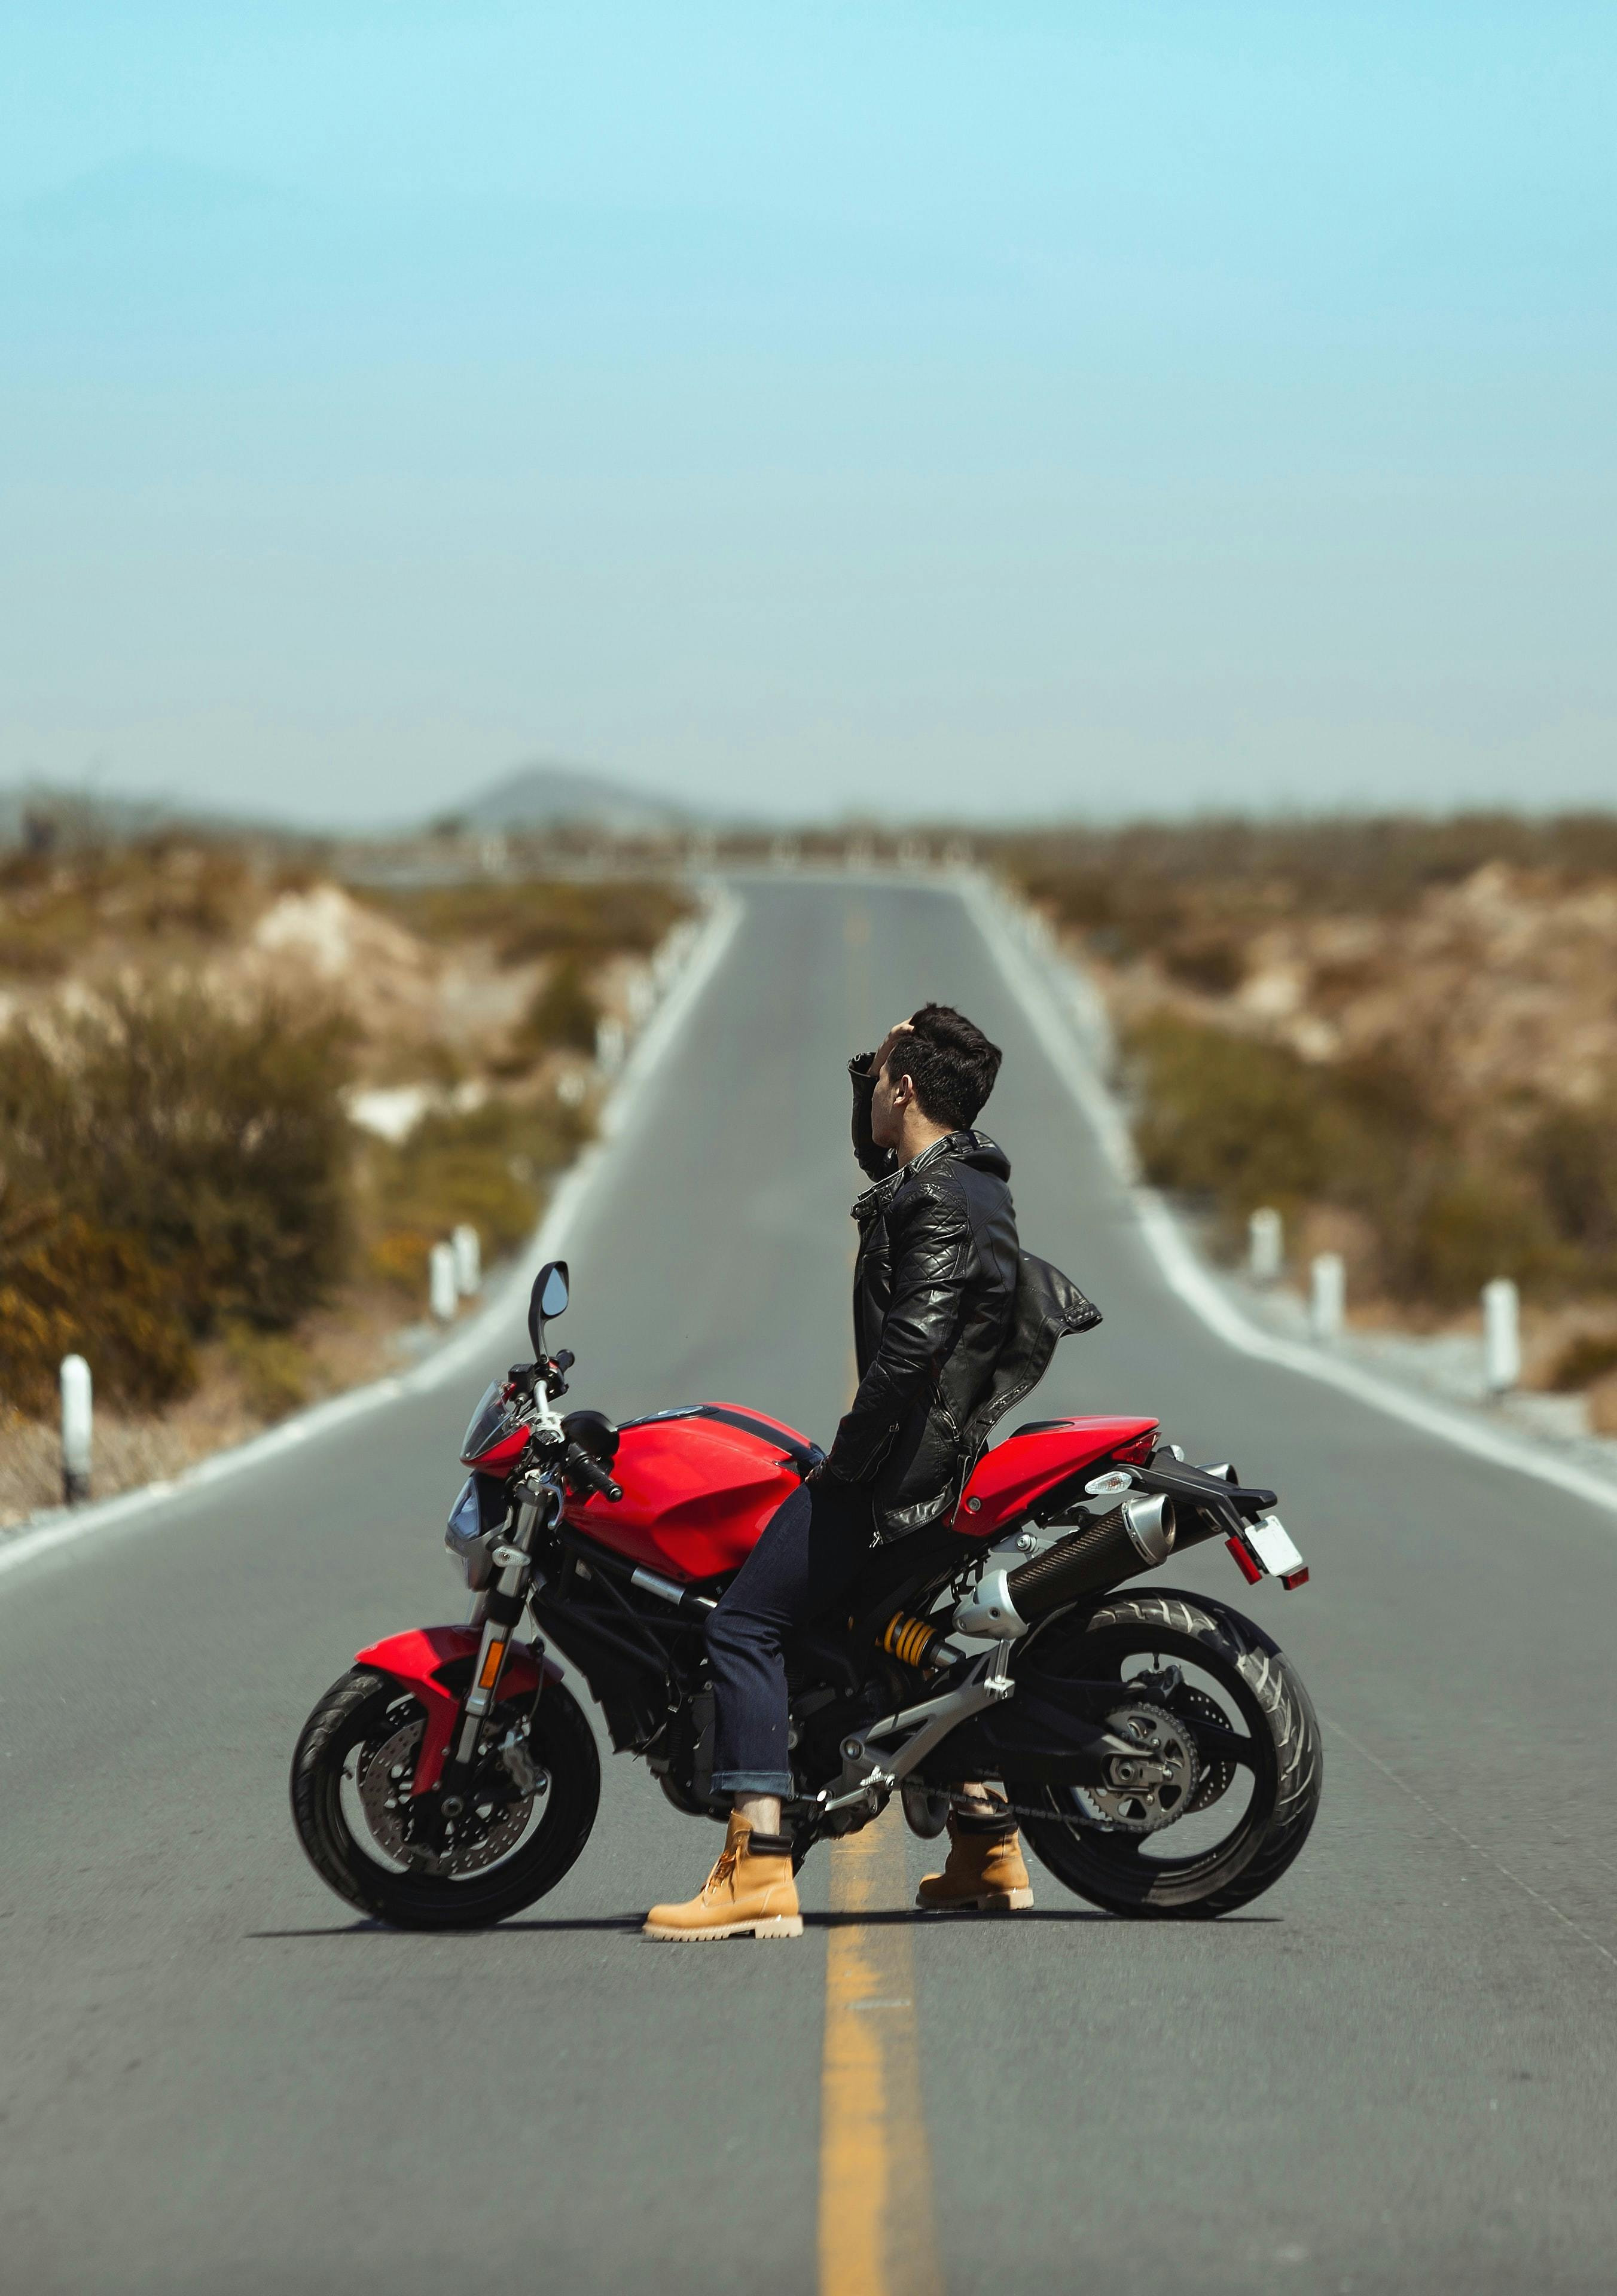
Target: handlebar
525 1377
581 1468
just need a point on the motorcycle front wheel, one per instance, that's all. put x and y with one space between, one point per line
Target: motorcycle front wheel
524 1824
1214 1702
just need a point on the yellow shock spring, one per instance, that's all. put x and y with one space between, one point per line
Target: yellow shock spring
911 1641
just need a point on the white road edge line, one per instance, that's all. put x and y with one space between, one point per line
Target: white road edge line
1183 1273
67 1527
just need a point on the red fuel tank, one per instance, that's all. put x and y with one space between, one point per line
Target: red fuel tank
699 1485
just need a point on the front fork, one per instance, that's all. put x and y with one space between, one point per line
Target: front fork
502 1606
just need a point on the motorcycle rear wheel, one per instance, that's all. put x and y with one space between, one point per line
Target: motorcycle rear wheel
1116 1869
365 1710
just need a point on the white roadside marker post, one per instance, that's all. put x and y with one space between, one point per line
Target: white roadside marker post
468 1250
1501 1334
443 1293
1265 1246
610 1045
78 1422
1327 1295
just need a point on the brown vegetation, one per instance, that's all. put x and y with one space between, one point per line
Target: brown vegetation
216 1137
166 894
67 1288
538 919
1404 1028
561 1014
187 1035
488 1166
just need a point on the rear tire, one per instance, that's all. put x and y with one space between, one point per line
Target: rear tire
363 1706
1106 1867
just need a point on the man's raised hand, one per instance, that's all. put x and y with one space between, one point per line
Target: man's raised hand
879 1059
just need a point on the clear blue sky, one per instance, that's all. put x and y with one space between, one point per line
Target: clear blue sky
938 408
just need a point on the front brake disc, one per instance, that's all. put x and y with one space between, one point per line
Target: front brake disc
494 1820
386 1771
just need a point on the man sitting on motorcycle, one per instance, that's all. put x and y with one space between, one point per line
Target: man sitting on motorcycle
935 1292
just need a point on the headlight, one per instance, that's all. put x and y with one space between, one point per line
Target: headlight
465 1537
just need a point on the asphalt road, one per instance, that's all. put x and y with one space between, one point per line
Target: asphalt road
1395 2072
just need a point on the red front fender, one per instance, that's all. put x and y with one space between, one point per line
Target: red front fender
419 1658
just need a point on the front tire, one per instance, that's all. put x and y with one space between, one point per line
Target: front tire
365 1715
1137 1873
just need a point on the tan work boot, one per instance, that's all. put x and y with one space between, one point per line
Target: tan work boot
984 1872
749 1892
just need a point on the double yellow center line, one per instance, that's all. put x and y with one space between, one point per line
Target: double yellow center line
877 2238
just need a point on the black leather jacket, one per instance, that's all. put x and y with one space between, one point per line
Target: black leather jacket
953 1321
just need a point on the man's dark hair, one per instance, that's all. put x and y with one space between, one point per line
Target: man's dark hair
950 1063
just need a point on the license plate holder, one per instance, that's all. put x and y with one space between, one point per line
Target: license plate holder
1272 1545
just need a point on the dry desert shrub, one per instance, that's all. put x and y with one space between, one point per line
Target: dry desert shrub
1589 1360
397 1256
276 1371
1235 1122
67 1288
1405 1021
539 918
167 891
1571 1154
562 1018
486 1166
183 1198
175 1167
1147 883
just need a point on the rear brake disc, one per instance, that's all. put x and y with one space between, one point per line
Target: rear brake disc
1145 1790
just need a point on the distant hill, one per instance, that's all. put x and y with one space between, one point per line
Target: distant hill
39 815
44 815
543 796
535 798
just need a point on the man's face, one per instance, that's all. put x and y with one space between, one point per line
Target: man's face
887 1104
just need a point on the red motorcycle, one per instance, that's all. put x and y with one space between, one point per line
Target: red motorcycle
1159 1752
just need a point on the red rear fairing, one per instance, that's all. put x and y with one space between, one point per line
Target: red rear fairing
1015 1476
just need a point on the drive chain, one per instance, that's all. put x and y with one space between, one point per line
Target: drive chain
968 1806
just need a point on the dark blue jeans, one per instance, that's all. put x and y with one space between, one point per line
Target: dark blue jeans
812 1549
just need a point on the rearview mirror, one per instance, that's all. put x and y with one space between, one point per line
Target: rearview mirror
548 1298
